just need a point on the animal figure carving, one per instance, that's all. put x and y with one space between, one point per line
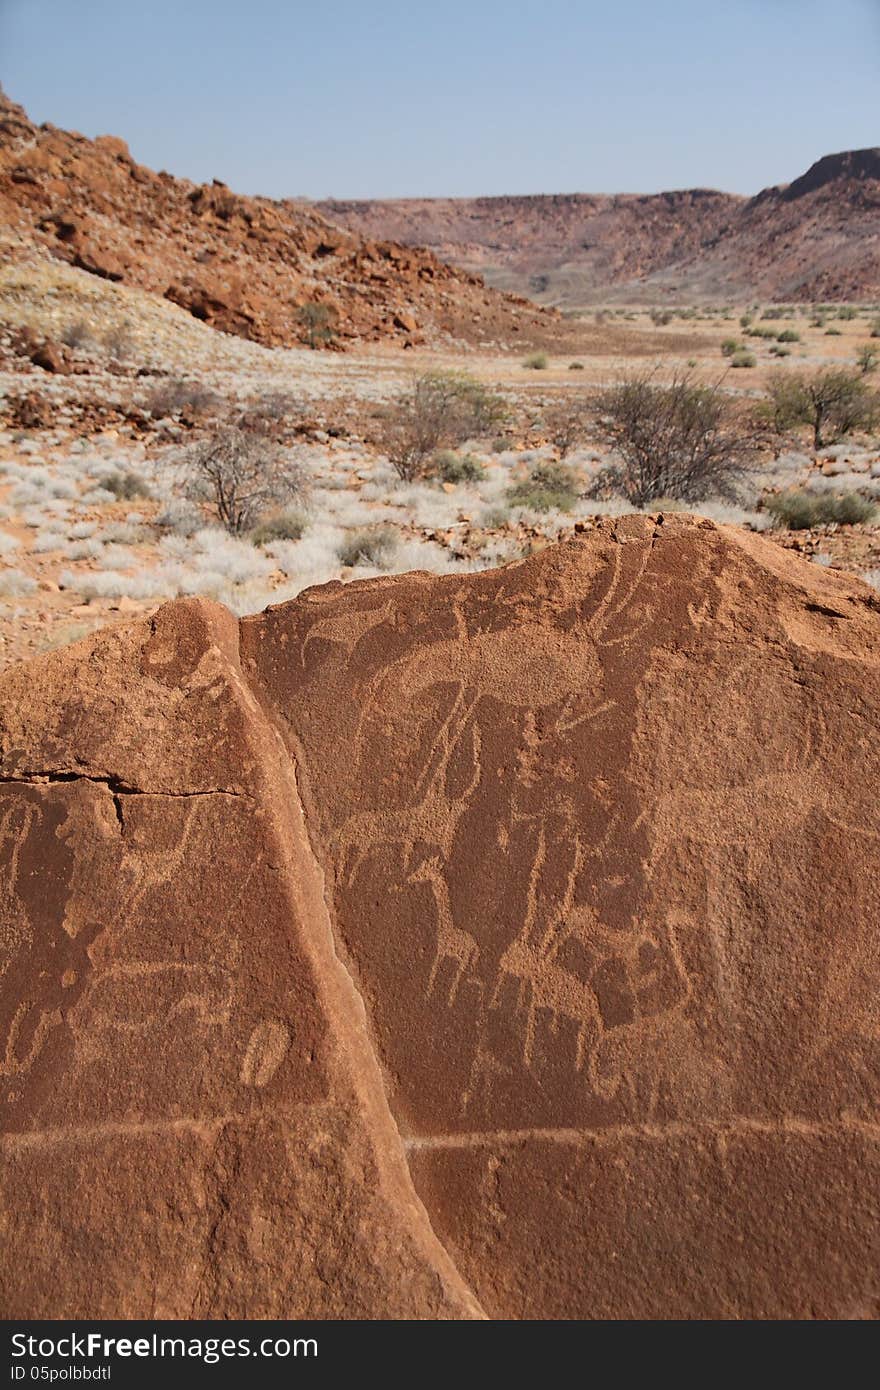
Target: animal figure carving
488 945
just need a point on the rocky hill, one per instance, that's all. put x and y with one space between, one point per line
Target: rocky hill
491 945
815 239
243 265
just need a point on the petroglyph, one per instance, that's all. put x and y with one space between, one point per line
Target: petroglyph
266 1050
577 976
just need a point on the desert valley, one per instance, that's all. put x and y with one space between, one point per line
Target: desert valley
492 587
141 315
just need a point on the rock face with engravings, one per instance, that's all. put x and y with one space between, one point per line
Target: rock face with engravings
493 945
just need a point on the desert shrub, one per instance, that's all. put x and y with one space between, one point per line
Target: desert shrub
875 328
777 351
123 532
269 412
743 359
567 421
834 402
213 551
287 526
683 440
47 541
179 517
15 583
374 547
660 317
799 510
847 312
501 444
867 359
243 475
76 334
317 323
852 509
494 518
536 361
439 410
451 467
773 314
833 333
119 342
575 366
126 486
746 320
768 334
788 335
175 396
549 487
110 584
730 346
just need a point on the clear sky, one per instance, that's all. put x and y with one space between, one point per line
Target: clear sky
388 98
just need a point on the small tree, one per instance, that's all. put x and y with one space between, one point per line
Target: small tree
243 475
683 440
567 422
317 322
440 410
833 402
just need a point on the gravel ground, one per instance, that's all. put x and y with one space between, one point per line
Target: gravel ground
74 555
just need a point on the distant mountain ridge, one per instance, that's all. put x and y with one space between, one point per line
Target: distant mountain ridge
817 238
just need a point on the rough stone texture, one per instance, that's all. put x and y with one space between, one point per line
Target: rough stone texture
565 1006
195 1123
242 265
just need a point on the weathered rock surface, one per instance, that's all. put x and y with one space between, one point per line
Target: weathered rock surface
445 946
195 1122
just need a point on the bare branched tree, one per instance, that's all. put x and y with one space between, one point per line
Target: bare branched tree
567 422
684 440
243 475
439 410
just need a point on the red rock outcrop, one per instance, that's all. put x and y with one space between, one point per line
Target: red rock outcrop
243 265
445 946
814 239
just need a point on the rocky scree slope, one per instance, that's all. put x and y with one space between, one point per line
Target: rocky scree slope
243 265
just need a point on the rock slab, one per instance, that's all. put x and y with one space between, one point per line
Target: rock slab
501 945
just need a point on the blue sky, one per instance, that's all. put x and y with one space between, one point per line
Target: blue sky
389 98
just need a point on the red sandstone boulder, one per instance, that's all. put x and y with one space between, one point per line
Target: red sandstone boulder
50 356
499 944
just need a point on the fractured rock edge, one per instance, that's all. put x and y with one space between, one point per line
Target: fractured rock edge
273 790
270 782
307 890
